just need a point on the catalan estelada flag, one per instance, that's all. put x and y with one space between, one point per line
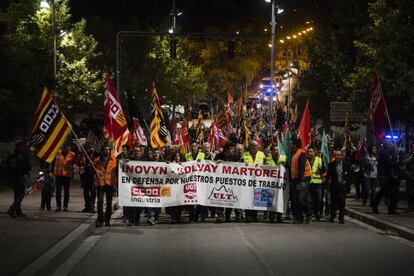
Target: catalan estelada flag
50 129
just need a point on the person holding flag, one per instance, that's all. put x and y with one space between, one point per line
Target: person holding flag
105 182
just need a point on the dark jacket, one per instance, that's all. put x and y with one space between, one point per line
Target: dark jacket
47 184
332 176
388 164
409 167
17 166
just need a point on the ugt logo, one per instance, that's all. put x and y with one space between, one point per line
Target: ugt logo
190 193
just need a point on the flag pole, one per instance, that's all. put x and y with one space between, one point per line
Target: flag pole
77 139
388 117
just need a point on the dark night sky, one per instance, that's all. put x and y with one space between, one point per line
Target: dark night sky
197 14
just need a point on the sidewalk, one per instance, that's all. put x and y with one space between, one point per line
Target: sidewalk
401 224
27 238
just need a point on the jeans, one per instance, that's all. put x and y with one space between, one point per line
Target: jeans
326 196
108 192
46 199
368 189
302 201
154 213
316 192
62 181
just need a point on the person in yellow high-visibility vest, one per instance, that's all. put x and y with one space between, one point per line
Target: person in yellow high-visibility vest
195 154
195 211
253 156
274 158
316 184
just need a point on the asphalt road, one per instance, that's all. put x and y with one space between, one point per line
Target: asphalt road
321 248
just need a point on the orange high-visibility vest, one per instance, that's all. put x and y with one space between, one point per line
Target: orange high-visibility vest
105 176
295 163
64 164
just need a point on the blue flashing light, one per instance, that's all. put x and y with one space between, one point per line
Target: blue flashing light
389 136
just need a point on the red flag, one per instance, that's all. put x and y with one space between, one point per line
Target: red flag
377 109
115 125
216 137
304 127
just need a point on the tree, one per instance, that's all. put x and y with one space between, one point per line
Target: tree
26 51
332 55
79 82
386 45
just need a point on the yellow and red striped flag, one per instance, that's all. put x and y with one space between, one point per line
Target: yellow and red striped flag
50 129
160 136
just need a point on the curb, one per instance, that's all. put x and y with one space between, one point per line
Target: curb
401 230
80 232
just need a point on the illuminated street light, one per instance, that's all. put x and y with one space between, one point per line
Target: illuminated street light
265 30
44 5
294 36
311 28
282 41
272 57
270 45
288 37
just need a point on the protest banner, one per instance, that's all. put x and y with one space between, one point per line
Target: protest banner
232 185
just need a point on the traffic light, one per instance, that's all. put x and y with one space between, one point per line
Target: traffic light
173 48
230 49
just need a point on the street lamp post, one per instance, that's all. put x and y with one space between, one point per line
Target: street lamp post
272 59
54 43
45 5
272 69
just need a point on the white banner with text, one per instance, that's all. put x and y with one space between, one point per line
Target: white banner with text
230 185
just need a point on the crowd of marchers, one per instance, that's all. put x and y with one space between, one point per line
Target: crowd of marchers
317 190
